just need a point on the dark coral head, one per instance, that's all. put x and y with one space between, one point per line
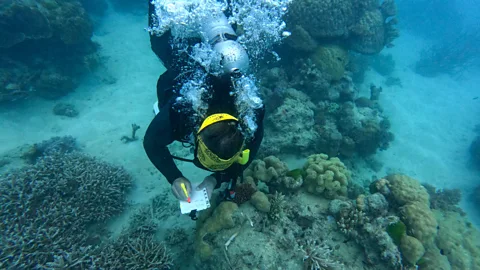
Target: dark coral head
243 193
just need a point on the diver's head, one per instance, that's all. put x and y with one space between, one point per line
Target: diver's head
220 143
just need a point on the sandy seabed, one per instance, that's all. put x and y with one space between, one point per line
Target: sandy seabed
432 118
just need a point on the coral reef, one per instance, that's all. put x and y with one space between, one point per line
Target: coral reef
47 207
296 135
275 173
458 240
331 60
334 120
364 25
369 231
45 47
444 199
327 176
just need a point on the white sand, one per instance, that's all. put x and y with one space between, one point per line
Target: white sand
432 119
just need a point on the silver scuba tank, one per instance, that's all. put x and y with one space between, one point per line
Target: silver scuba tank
219 33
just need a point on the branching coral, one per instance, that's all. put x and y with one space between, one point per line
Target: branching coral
137 252
318 256
46 207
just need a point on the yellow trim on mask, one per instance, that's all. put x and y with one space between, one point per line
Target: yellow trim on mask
209 159
215 118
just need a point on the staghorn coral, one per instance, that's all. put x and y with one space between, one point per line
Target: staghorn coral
47 207
135 251
318 256
326 176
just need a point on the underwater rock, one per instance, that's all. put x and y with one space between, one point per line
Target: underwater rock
65 109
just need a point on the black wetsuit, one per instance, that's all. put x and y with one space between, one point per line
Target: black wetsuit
173 123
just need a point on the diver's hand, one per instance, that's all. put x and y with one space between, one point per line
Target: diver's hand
177 189
209 183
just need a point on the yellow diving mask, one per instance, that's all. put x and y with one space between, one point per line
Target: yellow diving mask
209 159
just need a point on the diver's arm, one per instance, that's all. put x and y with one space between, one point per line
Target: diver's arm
158 136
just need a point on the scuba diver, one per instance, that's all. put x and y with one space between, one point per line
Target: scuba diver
219 138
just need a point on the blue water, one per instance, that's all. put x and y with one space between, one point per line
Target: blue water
86 69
